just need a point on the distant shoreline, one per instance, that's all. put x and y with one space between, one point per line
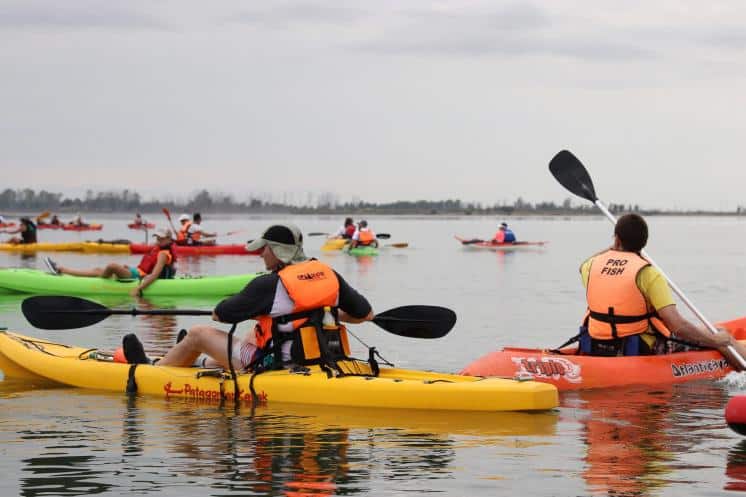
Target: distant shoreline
14 214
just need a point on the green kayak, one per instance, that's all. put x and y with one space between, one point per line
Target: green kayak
363 250
43 283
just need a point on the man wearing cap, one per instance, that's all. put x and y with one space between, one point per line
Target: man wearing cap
504 235
363 236
294 285
158 263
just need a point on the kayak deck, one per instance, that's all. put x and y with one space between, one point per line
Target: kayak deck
477 244
570 371
42 283
41 362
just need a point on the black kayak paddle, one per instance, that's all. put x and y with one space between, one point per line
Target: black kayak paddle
64 313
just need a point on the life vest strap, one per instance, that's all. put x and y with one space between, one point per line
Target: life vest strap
610 317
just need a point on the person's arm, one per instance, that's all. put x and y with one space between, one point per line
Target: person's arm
255 299
150 278
691 333
353 307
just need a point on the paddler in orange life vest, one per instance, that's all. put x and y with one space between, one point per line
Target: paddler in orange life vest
363 236
184 237
630 307
295 285
197 235
158 263
504 234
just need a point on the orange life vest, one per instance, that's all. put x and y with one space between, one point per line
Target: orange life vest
366 237
616 306
183 235
149 260
310 285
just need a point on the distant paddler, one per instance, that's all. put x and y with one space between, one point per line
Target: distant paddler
363 236
346 230
78 221
198 235
159 262
26 229
504 234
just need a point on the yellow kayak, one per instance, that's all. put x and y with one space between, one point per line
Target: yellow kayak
42 247
43 362
334 244
105 248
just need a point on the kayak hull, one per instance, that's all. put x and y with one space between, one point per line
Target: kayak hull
499 247
569 371
41 283
105 248
43 361
142 226
70 227
190 250
335 244
363 251
42 247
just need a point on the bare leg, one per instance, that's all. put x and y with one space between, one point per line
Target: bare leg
202 339
110 270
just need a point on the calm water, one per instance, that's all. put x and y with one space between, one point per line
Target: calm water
637 441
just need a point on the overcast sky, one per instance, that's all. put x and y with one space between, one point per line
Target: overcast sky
382 100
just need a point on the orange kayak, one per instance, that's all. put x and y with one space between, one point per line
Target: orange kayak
569 371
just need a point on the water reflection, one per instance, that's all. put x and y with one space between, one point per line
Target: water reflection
635 437
79 442
736 468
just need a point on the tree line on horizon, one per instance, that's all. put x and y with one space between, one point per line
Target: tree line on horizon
29 200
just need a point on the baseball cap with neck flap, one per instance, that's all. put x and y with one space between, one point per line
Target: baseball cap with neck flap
285 240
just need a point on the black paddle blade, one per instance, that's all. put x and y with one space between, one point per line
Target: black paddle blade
417 321
62 313
572 174
383 236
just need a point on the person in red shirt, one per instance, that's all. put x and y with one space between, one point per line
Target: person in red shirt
158 263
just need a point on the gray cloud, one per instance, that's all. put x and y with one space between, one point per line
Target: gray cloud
300 13
89 14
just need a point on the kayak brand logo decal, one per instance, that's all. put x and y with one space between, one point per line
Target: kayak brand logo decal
195 392
318 275
701 367
549 367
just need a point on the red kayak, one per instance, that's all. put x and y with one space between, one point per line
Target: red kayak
569 371
476 243
88 227
141 226
187 250
7 225
45 226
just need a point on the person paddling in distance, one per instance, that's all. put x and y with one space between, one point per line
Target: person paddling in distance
197 235
183 237
283 302
158 263
363 236
139 221
27 231
631 310
504 234
346 230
